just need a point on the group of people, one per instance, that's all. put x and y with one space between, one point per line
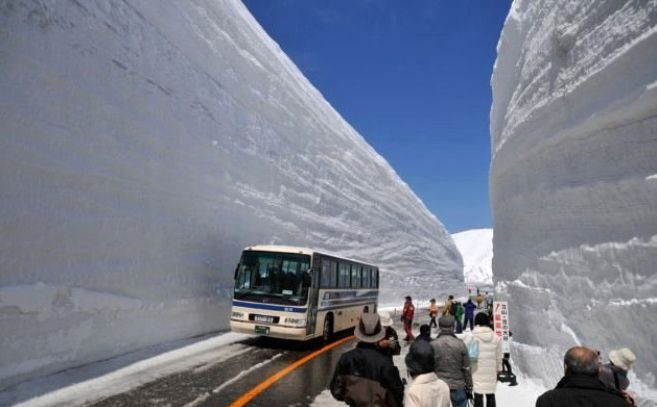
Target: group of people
463 313
450 370
444 371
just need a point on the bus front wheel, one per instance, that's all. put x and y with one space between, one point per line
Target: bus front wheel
327 334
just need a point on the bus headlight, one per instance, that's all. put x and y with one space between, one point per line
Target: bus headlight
238 315
299 322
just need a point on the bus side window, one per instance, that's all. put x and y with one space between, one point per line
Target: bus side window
334 274
375 278
329 279
355 276
343 276
366 277
325 276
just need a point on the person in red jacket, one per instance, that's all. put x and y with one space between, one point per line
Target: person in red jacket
407 318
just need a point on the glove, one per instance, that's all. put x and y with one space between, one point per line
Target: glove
468 394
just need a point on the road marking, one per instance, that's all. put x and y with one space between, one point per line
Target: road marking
265 384
203 397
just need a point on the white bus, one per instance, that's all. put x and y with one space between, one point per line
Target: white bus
297 293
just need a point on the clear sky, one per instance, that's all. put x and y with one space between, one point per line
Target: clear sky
413 78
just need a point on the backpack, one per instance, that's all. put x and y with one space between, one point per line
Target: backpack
473 349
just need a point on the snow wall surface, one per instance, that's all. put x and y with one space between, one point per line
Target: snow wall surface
143 145
573 181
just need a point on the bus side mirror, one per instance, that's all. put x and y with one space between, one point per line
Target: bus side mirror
237 268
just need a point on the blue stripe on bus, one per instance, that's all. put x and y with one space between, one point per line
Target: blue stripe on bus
268 306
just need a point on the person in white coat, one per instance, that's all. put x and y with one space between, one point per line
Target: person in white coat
426 389
488 362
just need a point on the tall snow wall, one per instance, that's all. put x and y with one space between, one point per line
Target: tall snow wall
143 145
573 180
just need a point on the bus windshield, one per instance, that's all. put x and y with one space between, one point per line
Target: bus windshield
281 278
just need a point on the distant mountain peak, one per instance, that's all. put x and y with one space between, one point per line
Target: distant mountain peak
476 247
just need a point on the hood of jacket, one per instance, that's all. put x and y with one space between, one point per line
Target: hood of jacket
426 378
484 333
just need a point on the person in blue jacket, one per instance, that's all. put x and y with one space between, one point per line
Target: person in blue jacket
469 314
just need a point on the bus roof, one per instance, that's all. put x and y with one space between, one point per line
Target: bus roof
280 249
299 250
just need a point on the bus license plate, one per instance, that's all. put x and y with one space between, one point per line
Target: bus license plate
262 330
264 318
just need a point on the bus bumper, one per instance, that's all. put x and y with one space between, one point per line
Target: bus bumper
274 331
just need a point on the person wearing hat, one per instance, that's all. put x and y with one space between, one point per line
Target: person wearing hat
452 363
407 318
426 389
365 376
390 344
614 373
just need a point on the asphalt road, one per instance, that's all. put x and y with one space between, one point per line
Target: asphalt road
223 383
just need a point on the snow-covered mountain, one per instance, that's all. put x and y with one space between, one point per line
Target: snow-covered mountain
573 178
143 145
476 247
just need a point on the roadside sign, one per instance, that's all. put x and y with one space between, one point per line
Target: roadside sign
501 318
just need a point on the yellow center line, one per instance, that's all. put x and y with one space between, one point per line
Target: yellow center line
265 384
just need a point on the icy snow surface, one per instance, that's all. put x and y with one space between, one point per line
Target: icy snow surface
574 148
143 145
126 372
476 247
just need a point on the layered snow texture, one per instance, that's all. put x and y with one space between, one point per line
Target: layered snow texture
476 248
572 185
143 145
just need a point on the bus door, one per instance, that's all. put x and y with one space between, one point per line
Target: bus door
313 292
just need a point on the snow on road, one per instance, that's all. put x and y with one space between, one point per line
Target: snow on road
203 397
198 355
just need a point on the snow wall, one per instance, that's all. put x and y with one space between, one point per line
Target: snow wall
143 145
573 180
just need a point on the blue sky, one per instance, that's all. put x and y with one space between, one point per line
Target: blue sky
413 78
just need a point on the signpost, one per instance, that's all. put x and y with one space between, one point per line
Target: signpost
501 318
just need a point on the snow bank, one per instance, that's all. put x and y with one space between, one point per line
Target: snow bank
574 148
476 248
96 381
144 144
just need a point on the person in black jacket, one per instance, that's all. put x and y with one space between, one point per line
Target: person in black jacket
365 376
580 386
425 333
